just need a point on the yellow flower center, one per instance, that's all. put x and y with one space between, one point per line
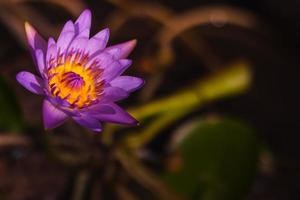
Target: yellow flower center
73 82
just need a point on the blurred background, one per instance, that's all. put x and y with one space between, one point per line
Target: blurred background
218 114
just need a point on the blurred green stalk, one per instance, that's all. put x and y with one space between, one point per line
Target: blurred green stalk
232 80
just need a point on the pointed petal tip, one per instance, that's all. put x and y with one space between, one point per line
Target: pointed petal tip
121 51
135 122
68 27
86 12
83 23
141 81
128 83
69 22
85 16
30 31
130 120
119 116
51 41
133 42
125 62
27 25
106 32
34 39
130 45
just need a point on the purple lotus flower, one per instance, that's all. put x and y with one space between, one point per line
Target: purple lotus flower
80 76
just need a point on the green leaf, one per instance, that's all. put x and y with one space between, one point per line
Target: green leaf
10 112
218 161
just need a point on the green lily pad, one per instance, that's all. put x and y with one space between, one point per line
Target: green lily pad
10 112
218 161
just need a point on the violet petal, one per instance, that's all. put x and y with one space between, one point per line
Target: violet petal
124 49
52 116
35 41
116 69
98 42
51 41
69 26
30 82
128 83
79 43
89 122
51 54
66 37
100 109
83 23
119 116
40 58
103 60
114 94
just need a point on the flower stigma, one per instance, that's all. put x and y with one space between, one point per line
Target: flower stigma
72 79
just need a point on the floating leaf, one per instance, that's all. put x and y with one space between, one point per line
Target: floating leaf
218 161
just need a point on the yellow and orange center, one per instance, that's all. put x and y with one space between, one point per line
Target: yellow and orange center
75 83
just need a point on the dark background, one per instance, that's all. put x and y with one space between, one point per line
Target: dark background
271 105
